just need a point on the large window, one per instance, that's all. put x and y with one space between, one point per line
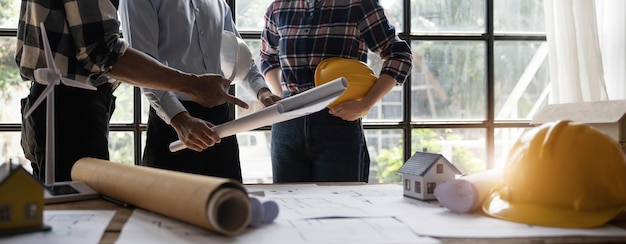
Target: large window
479 74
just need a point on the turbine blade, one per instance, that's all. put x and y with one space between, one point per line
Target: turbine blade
46 48
40 99
73 83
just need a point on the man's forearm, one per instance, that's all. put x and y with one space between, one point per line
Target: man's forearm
139 69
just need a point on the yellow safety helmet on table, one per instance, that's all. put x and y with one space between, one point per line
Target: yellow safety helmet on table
561 174
360 77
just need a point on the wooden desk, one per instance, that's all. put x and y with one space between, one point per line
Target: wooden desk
123 213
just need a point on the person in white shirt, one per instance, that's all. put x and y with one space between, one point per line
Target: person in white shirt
187 35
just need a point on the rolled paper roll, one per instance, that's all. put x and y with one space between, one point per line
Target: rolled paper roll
270 211
265 208
304 103
256 216
466 194
217 204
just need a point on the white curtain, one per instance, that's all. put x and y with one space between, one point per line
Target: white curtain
587 50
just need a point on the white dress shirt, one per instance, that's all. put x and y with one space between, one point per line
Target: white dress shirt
183 34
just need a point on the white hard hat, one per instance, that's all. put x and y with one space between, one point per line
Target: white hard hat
235 57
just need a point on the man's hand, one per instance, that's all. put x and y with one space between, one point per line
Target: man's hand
194 133
211 90
266 97
139 69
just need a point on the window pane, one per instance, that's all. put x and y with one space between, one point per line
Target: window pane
123 104
394 12
465 148
9 13
249 14
451 16
254 154
12 88
448 81
11 150
521 79
504 139
514 16
121 149
145 109
385 149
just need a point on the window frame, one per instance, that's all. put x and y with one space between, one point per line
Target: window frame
406 125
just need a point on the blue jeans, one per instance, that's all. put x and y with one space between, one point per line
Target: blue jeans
319 147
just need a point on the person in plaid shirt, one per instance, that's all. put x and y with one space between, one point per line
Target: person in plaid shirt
328 145
87 47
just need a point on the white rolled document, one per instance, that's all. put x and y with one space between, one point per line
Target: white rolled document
292 107
263 210
466 194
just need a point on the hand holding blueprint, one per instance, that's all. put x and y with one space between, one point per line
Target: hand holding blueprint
292 107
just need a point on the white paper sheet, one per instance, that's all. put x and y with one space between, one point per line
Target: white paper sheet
292 107
378 213
147 227
68 226
441 222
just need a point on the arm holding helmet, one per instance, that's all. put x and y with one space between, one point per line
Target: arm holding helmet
352 110
395 53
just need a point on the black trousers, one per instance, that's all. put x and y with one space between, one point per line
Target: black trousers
82 127
221 160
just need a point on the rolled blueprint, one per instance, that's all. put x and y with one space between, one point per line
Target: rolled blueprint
263 210
219 205
292 107
466 194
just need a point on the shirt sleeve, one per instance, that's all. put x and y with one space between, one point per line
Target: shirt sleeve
140 28
381 38
95 30
269 43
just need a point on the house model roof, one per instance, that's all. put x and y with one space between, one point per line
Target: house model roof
6 172
421 162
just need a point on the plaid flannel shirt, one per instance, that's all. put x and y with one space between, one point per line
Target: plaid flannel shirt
83 35
298 34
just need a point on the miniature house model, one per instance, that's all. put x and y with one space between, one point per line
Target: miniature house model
423 172
21 204
606 116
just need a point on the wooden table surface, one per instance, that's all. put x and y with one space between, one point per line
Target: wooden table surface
123 213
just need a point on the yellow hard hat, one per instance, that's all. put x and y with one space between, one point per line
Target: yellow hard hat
360 77
561 174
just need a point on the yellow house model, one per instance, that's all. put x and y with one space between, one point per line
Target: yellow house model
21 201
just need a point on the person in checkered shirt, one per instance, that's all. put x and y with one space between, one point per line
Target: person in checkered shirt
87 46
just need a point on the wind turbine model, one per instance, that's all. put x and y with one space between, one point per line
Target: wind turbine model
51 76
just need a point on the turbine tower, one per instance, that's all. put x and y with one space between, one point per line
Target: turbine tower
51 76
